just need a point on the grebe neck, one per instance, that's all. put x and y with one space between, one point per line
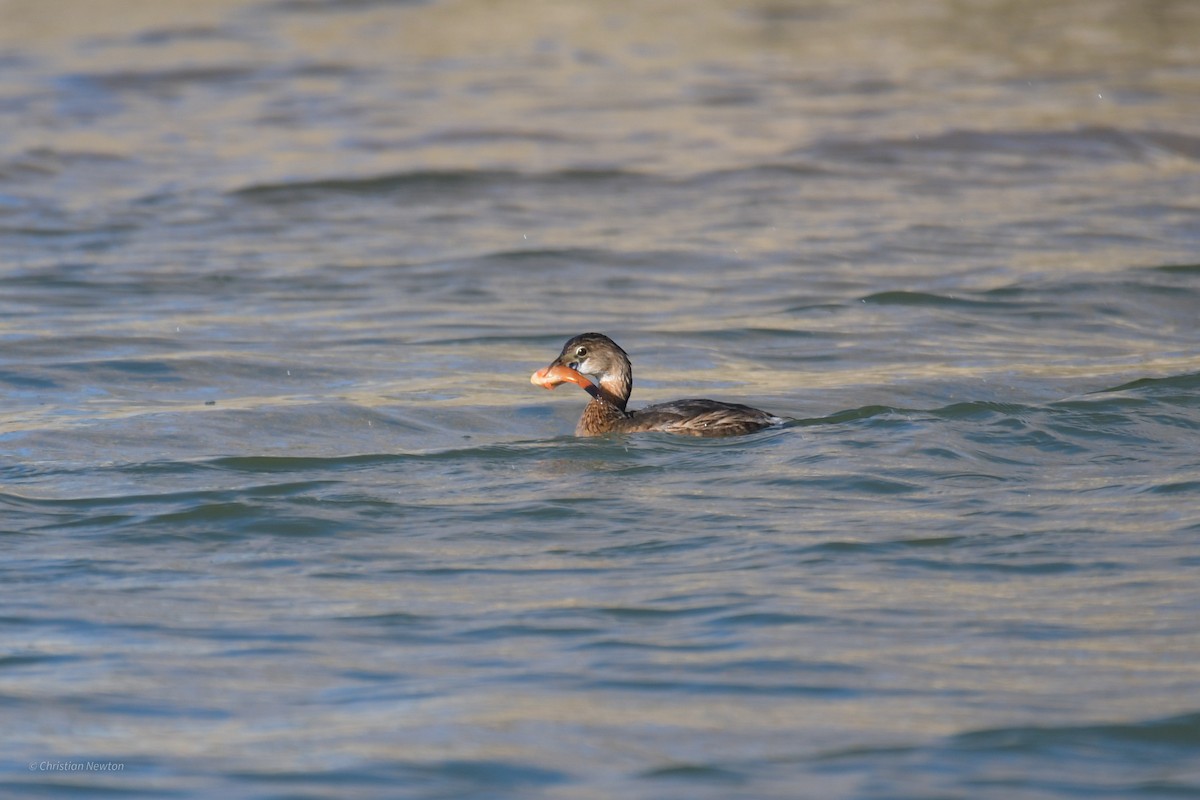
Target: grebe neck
615 387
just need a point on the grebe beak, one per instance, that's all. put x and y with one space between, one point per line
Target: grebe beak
556 374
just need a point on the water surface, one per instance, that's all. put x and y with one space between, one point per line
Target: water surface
283 517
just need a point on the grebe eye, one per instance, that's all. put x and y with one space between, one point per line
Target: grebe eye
580 352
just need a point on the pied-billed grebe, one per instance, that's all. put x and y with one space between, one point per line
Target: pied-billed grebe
594 355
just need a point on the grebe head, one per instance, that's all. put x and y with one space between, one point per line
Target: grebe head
594 355
594 362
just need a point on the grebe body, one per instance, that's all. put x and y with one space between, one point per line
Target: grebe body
599 365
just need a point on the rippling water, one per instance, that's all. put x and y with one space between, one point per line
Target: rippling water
283 517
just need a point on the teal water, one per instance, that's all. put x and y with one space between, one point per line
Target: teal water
283 517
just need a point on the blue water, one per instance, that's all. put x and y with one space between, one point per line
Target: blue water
283 517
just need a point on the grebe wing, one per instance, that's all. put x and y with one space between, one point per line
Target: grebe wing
699 417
